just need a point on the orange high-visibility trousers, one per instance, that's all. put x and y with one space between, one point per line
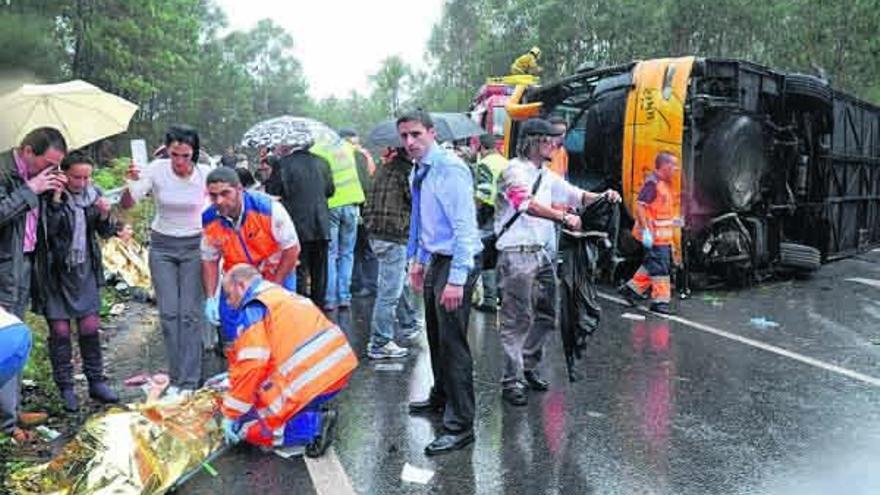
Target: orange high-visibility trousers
654 275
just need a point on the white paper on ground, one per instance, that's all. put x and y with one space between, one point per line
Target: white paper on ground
413 474
388 366
633 316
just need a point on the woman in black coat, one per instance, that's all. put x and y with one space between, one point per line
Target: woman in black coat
68 275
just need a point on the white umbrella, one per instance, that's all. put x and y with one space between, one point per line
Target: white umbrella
83 113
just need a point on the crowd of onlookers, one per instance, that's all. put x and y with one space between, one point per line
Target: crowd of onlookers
425 217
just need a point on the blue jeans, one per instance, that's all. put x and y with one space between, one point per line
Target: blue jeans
340 258
393 304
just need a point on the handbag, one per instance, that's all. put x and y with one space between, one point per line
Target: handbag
490 252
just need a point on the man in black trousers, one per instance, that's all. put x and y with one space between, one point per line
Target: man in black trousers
306 182
444 245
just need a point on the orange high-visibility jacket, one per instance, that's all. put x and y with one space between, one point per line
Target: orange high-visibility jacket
662 211
288 355
253 243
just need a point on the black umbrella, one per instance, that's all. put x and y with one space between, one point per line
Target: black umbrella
449 127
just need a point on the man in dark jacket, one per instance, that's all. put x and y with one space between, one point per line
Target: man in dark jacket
306 183
25 173
386 217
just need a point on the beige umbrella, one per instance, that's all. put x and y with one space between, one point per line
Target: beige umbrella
82 112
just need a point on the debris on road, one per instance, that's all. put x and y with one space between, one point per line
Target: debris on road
414 474
388 366
47 433
633 316
763 323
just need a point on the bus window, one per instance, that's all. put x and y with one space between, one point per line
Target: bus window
499 120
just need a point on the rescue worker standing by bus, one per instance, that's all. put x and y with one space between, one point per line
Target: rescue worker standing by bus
243 227
286 361
655 229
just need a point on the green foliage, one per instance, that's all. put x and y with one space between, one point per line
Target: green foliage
479 38
113 175
27 52
165 55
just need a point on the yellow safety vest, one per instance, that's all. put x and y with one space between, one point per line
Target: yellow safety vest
345 177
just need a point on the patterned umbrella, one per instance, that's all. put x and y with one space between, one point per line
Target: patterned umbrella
299 132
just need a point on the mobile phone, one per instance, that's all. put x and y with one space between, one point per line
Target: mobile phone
139 152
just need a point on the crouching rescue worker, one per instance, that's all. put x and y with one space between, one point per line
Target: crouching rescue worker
286 362
655 229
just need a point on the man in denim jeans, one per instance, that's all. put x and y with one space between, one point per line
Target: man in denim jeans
343 229
386 217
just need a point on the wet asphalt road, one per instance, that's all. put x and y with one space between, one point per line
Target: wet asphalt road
667 407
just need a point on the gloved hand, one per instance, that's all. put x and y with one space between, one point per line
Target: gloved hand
231 431
647 238
212 311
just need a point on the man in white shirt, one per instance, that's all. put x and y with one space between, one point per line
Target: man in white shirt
525 260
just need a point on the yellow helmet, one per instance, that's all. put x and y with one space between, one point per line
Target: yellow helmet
535 51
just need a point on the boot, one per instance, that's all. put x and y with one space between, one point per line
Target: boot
60 354
93 367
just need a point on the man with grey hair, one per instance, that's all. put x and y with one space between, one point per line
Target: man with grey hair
524 225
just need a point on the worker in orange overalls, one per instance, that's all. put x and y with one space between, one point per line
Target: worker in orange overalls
286 362
655 229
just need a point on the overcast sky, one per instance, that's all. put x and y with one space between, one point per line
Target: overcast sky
341 42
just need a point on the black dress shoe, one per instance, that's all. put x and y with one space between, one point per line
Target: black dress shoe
449 442
535 382
514 396
425 407
319 445
661 308
632 297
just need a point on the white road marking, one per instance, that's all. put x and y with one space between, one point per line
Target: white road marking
328 475
870 380
867 281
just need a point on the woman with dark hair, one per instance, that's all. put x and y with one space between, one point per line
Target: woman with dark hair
177 186
68 276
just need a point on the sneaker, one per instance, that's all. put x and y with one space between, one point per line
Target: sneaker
172 392
410 335
387 351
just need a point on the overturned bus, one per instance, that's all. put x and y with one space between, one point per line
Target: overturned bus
779 171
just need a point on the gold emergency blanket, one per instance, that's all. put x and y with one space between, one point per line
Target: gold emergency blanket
141 450
128 260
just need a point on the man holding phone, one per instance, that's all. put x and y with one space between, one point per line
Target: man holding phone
26 172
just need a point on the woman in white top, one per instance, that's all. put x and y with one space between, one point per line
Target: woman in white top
177 185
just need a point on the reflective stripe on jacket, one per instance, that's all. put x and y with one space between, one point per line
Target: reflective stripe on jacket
285 355
662 211
253 242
